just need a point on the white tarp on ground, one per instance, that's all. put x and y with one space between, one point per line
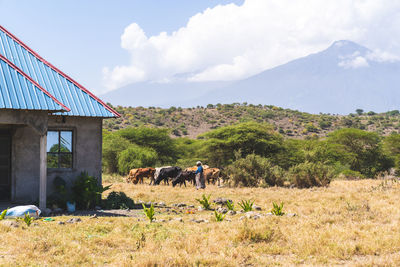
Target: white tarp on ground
20 211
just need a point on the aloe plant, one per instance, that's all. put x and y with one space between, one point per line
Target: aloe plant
149 212
219 217
246 205
205 201
3 214
28 219
230 205
277 209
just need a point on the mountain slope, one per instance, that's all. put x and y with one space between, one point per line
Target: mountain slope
191 122
337 80
340 79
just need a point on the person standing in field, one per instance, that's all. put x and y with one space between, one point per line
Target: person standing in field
200 182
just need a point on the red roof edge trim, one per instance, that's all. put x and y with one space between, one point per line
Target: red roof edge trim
59 71
34 82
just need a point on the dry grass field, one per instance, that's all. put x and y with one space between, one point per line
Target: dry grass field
353 223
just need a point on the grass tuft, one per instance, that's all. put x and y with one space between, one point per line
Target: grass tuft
254 234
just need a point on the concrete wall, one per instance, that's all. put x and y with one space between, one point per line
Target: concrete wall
26 128
87 147
25 165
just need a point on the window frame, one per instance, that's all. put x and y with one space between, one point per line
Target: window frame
59 153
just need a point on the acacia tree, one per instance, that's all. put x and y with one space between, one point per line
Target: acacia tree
359 111
113 144
362 150
391 146
248 138
154 138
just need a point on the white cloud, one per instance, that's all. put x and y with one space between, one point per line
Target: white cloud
354 63
382 56
230 42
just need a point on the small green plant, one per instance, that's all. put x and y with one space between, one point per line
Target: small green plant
3 214
87 191
246 205
230 205
219 217
118 200
205 201
149 212
277 209
28 219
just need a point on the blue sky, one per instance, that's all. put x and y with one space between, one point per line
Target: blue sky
81 37
109 44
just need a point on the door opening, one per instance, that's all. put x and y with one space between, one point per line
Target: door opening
5 166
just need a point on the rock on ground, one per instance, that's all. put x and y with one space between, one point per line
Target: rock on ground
222 210
222 201
199 220
257 207
74 220
232 212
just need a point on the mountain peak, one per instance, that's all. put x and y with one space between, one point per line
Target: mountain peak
345 47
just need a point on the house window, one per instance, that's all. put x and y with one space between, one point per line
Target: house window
59 149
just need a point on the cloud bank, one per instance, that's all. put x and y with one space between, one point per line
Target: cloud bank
230 42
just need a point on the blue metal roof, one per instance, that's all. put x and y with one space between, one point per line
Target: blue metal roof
73 95
17 91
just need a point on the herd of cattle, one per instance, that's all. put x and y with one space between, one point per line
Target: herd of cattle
175 174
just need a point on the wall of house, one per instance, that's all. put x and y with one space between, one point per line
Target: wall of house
26 129
87 147
25 164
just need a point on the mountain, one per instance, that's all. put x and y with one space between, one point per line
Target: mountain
340 79
153 94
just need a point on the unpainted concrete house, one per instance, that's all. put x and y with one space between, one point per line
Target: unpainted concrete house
50 125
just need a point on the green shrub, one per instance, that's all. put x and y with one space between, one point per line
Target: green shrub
255 170
113 144
362 150
308 174
136 157
87 191
249 138
351 175
156 139
60 195
119 200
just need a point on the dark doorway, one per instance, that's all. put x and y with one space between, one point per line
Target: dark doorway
5 166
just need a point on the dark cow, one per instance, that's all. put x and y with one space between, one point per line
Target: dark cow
183 177
166 173
156 173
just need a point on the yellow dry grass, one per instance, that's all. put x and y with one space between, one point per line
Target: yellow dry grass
348 223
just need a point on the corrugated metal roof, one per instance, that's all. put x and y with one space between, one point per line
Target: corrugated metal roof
18 91
73 95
